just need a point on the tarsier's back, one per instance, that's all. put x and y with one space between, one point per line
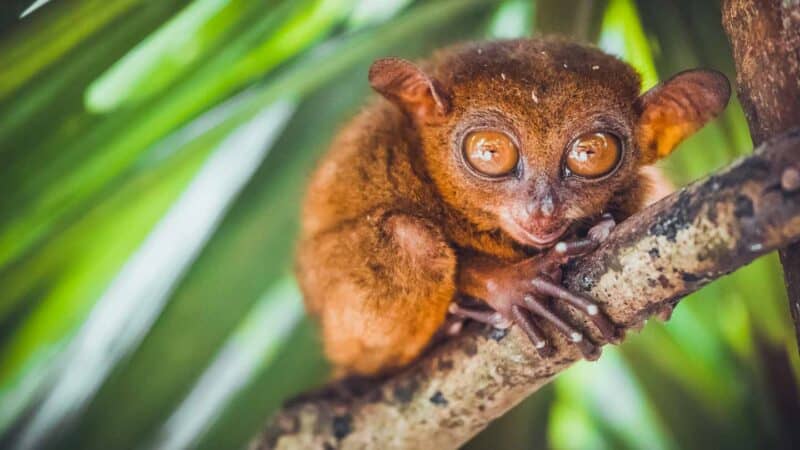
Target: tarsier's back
458 184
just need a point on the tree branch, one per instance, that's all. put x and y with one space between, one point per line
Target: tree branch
765 37
654 258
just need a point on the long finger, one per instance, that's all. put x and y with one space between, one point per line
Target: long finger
587 348
492 318
525 321
585 305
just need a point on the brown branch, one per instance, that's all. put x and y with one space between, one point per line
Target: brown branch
765 36
656 257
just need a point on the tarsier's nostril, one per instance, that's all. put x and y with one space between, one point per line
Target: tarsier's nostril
547 207
542 201
543 206
532 207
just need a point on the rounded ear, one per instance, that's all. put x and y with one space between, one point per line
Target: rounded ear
409 87
676 108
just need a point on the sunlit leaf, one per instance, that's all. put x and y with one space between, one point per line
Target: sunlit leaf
137 294
254 343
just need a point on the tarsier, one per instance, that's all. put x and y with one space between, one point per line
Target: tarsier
476 176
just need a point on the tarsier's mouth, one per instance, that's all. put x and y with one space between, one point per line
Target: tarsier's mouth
536 239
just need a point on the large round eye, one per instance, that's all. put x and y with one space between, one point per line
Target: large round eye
491 153
593 155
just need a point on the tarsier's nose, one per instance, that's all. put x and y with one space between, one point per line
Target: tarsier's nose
542 200
543 207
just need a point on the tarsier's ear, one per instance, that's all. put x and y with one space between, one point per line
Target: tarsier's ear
676 108
409 87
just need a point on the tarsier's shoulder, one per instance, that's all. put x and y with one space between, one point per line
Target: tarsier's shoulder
367 165
378 124
368 145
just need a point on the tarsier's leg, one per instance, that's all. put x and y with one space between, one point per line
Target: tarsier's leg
380 287
530 307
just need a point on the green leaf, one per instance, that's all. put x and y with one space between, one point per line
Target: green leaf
254 343
46 197
261 234
136 295
50 34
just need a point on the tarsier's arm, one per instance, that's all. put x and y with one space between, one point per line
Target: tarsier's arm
523 149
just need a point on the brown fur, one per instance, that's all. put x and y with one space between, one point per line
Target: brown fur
392 214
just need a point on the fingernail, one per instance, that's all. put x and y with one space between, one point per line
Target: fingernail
790 179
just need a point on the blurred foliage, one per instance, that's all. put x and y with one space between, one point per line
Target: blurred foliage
153 155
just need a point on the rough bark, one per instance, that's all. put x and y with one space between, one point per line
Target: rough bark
765 37
656 257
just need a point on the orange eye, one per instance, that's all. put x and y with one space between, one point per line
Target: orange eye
593 155
491 153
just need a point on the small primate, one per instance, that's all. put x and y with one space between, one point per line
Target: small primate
471 181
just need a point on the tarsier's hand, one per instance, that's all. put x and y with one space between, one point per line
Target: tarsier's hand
521 294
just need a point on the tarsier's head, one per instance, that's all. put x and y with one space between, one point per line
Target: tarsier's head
534 136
